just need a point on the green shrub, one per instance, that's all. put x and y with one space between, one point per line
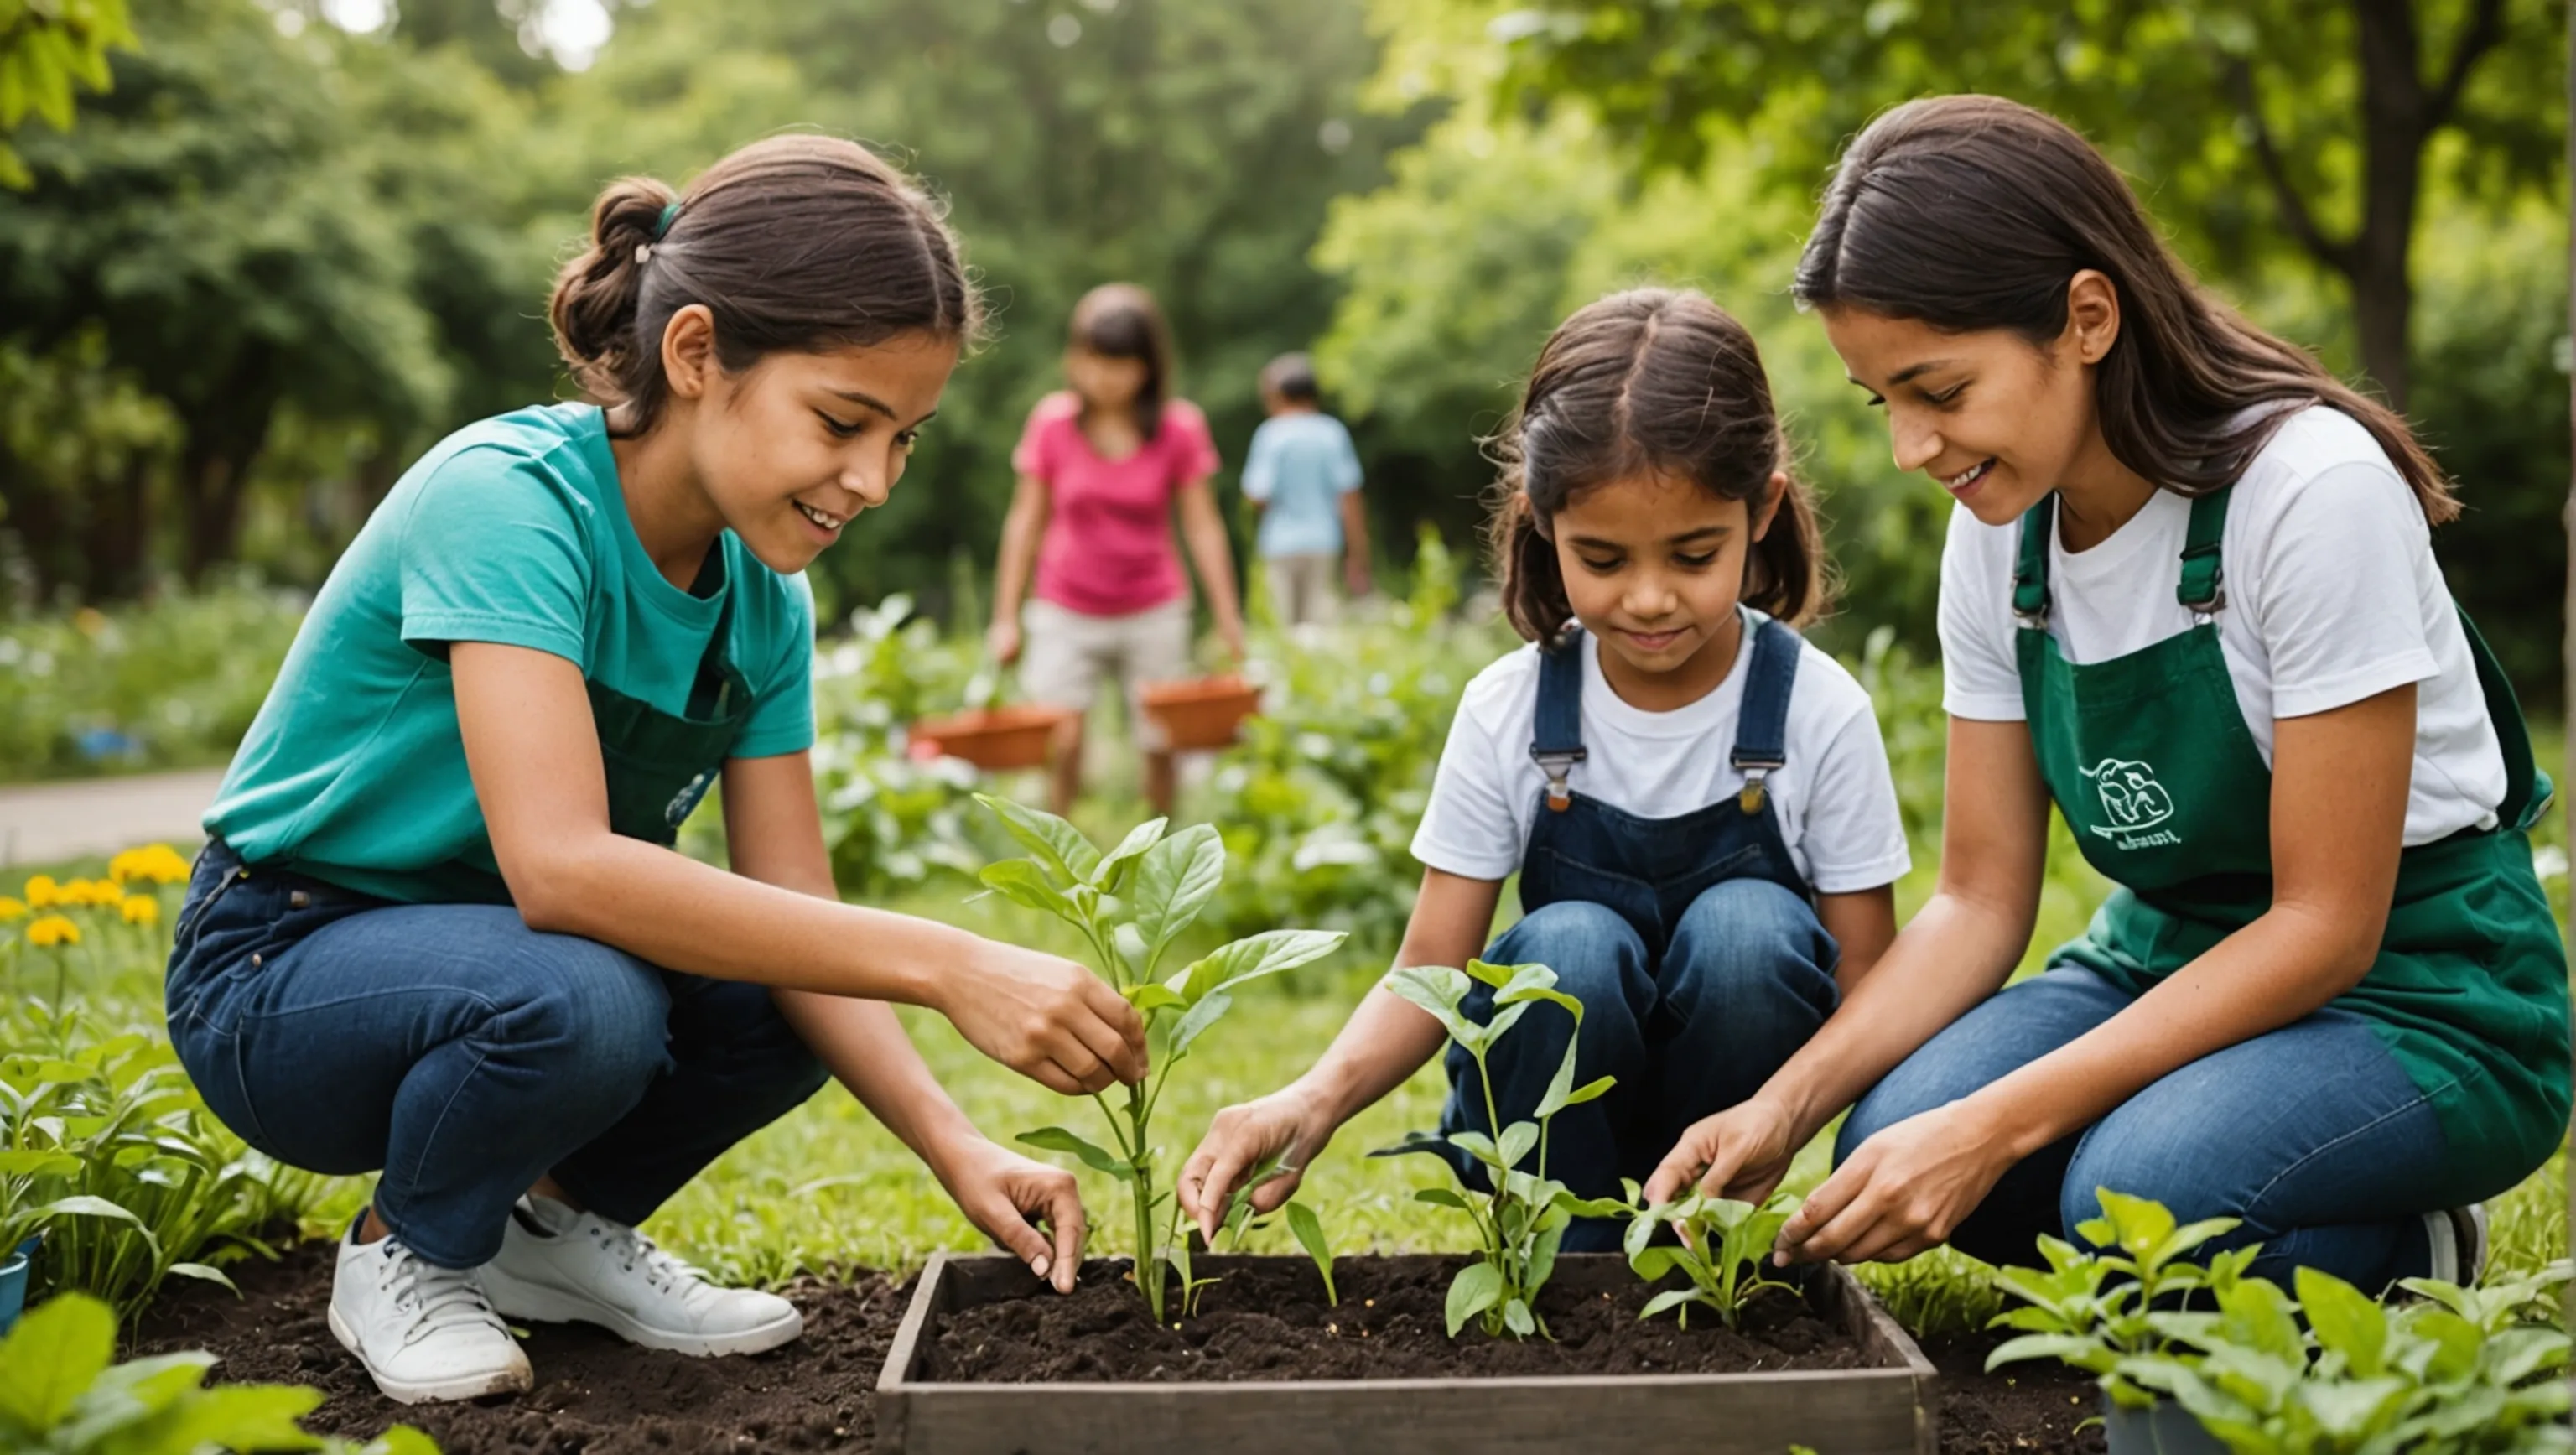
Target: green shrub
170 683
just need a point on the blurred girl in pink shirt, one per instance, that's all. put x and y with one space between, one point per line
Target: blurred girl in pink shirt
1102 467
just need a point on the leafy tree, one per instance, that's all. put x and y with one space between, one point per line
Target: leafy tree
2252 123
47 50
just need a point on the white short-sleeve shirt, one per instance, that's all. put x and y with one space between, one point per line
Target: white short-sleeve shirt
2332 597
1835 800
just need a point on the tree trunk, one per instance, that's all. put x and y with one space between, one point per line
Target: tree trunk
118 533
2395 126
224 437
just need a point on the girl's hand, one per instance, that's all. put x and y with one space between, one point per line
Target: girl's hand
1006 1194
1045 1017
1287 1122
1741 1152
1002 641
1355 576
1229 629
1907 1189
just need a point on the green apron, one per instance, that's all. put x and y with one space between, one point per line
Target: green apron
658 767
2148 757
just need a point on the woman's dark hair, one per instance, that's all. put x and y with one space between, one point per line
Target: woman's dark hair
1121 321
796 243
1649 382
1972 212
1292 377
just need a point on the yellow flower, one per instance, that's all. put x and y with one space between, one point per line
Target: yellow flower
157 862
53 930
91 892
43 892
141 909
12 909
90 620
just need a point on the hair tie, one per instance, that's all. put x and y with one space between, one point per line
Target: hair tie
661 225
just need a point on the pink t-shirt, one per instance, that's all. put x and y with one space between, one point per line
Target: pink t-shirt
1108 548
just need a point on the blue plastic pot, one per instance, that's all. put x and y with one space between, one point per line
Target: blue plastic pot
2164 1429
13 1283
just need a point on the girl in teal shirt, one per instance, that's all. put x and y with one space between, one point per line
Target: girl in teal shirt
439 929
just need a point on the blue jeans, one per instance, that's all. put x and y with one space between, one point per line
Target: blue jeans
1745 982
463 1053
2312 1134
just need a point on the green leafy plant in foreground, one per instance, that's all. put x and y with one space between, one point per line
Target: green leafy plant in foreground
2467 1371
1131 904
1522 1219
61 1394
1724 1243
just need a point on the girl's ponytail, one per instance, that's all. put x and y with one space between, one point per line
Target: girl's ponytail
598 293
793 244
1652 381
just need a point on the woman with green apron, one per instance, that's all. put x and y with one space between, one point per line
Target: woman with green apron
2188 599
439 929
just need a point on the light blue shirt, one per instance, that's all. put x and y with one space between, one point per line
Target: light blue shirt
1302 464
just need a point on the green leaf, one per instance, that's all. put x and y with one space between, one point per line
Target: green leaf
1480 1147
1251 958
1670 1298
242 1417
1518 1140
39 1164
1651 1263
1440 1196
1477 1288
1024 883
1059 846
1591 1090
1173 881
2346 1320
1437 989
401 1440
57 1350
1561 1085
1416 1143
1057 1139
204 1272
1516 1317
1104 875
1309 1232
1542 1258
1152 996
1201 1016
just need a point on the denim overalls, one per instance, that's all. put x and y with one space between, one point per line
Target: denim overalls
1692 942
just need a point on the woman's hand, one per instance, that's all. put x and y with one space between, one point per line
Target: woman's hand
1002 641
1045 1017
1288 1123
1906 1189
1741 1152
1355 576
1229 630
1006 1195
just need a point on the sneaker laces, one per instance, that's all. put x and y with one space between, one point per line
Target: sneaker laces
662 1270
437 1299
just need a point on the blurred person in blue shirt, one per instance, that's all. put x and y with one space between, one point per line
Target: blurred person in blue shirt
1303 476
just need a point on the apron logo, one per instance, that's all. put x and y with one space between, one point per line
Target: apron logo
2133 801
685 800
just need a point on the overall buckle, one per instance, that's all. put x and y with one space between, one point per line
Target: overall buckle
1756 771
1557 767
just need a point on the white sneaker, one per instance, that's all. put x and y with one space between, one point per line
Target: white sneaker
561 1266
2459 1240
424 1332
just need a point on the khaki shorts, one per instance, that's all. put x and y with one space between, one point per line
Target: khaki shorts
1306 588
1065 653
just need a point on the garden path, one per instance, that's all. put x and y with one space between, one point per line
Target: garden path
45 823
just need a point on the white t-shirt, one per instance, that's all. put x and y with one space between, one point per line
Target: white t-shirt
1835 801
2332 597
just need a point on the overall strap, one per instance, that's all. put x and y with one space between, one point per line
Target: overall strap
709 693
1556 739
2030 567
2201 589
1762 722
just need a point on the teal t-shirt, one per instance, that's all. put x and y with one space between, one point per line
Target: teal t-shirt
512 531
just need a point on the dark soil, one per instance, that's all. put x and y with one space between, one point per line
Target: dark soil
2023 1409
596 1394
1271 1322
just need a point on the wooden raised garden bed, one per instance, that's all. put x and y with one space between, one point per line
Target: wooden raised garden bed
986 1362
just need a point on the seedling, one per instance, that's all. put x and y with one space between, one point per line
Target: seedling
1307 1228
1723 1244
1131 904
2098 1310
1522 1219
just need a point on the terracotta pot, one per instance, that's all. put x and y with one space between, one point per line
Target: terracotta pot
1203 712
1018 736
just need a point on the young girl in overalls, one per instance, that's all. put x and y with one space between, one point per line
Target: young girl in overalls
439 929
1696 801
2189 599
